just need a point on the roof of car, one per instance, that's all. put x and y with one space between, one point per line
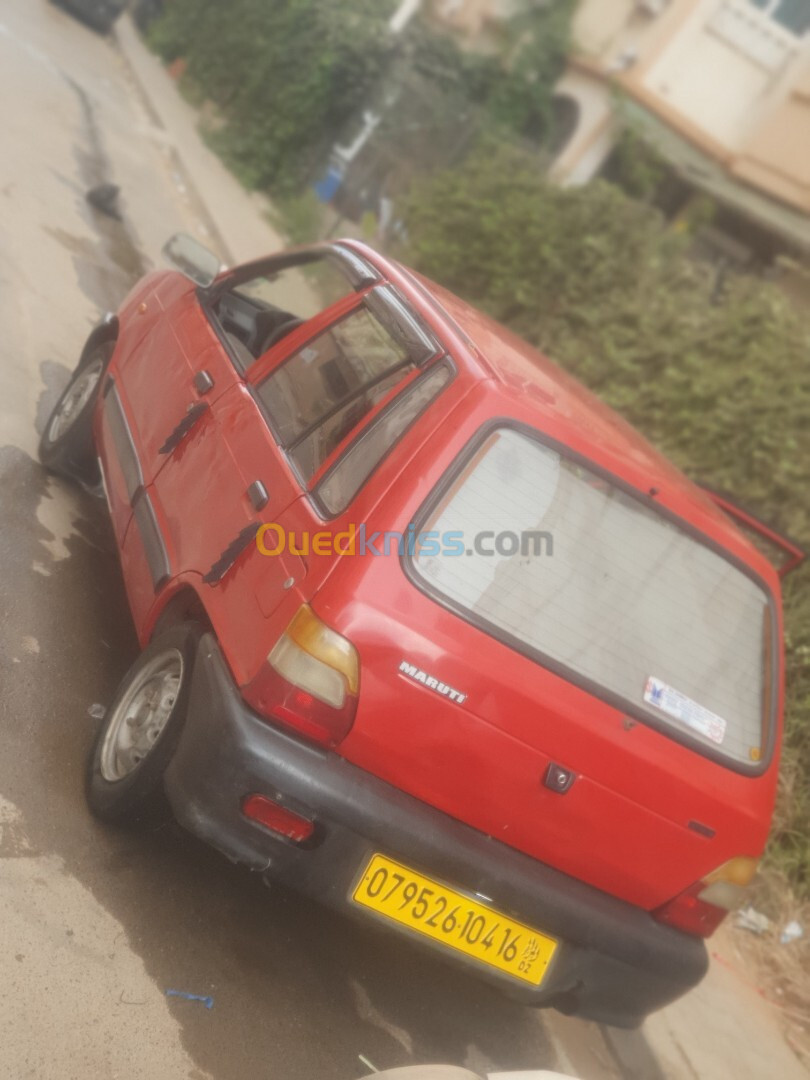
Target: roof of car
528 378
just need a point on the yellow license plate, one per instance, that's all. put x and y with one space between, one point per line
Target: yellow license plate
454 920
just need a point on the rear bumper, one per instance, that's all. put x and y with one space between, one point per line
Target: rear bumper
615 963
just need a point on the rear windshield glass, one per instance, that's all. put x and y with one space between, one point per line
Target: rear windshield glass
559 561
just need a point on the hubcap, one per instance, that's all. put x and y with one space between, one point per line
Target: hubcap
74 400
141 715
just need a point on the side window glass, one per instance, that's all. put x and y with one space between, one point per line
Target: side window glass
318 396
258 313
302 291
344 480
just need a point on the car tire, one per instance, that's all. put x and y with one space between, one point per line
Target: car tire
66 446
140 731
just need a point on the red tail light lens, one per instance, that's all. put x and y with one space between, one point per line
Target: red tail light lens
275 698
701 909
689 913
277 818
310 681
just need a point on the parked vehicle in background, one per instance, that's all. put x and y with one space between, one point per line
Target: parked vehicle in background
428 632
100 14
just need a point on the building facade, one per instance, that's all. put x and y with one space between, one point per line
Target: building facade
720 87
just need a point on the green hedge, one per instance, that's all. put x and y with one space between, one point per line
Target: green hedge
286 75
718 378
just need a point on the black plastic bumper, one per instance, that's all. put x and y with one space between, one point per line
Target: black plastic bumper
615 963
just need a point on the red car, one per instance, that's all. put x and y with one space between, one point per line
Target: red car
428 632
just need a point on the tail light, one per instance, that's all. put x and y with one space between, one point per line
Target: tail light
310 681
701 909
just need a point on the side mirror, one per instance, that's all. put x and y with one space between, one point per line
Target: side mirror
192 259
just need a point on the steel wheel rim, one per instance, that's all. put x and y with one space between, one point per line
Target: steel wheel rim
141 716
74 400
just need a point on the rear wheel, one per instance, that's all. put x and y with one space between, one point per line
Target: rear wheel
141 729
66 446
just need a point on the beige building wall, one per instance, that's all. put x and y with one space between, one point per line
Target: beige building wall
722 74
776 154
597 23
475 21
464 16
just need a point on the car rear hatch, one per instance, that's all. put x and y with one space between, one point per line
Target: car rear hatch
586 679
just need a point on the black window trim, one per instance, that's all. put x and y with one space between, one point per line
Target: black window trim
392 310
382 312
339 406
629 708
359 273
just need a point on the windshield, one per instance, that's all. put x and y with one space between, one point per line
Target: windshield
582 574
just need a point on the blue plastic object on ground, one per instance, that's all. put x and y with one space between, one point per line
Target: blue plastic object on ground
208 1002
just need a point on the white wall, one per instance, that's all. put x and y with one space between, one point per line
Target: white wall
583 155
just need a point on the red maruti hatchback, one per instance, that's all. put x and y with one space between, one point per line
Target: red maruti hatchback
428 632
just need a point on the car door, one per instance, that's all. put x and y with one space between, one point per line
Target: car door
168 382
218 487
306 401
220 475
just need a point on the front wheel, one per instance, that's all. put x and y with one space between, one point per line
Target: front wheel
141 729
66 446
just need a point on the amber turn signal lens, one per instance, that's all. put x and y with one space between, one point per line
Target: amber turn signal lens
739 871
316 659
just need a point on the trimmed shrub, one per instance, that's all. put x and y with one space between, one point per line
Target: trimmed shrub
716 376
284 75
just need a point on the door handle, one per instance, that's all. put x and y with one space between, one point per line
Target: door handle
230 555
257 493
203 382
193 414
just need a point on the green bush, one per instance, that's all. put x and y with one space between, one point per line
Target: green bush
720 383
513 87
534 54
285 75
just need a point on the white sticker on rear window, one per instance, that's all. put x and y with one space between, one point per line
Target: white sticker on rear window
678 705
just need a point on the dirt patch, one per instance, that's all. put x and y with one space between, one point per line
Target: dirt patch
779 972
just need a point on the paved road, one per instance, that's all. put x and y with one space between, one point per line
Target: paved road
94 925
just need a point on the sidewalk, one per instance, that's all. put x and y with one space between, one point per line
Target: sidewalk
722 1029
238 224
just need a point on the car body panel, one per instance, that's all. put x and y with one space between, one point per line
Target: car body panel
647 814
484 761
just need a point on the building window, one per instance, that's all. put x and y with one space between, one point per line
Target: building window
793 15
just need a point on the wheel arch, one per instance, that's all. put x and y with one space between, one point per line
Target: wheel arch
107 330
174 606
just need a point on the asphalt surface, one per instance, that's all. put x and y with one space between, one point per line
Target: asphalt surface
96 925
